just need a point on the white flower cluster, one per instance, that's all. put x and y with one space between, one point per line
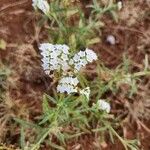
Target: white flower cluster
55 57
103 105
82 58
42 5
68 84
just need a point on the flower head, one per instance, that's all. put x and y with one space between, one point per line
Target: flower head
42 5
82 58
78 61
90 55
103 105
55 57
68 84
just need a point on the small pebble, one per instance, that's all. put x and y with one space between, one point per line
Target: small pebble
111 39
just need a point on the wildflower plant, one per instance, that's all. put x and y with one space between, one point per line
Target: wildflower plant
70 106
58 58
76 106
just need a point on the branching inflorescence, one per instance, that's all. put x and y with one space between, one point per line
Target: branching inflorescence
58 58
55 57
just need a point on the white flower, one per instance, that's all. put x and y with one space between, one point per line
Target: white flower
90 55
42 5
45 49
81 53
66 88
86 92
103 105
77 58
64 48
64 57
45 65
68 84
119 5
46 46
82 58
55 56
78 61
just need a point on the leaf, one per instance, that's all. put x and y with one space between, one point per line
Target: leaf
72 40
93 41
51 99
71 12
2 44
45 105
22 138
46 118
115 16
56 146
26 124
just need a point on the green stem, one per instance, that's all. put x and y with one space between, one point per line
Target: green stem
121 140
142 73
41 139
